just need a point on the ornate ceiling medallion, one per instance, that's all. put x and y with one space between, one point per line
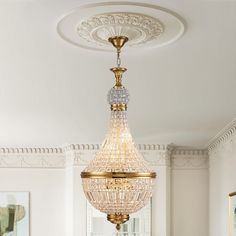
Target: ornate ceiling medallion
145 25
139 28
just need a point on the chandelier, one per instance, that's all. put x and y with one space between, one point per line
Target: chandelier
118 181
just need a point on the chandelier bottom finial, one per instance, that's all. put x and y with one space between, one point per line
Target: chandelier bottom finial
117 219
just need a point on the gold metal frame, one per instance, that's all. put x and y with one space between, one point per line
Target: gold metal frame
128 175
230 215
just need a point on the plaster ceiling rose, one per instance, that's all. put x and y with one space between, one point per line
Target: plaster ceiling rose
145 25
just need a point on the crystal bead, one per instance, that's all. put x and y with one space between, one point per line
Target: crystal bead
118 95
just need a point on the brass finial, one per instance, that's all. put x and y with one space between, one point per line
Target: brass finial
118 219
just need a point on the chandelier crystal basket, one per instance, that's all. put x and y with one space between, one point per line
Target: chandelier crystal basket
118 181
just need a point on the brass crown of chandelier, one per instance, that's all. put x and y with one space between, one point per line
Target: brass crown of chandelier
118 181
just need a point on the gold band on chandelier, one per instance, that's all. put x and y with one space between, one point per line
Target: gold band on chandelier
128 175
119 107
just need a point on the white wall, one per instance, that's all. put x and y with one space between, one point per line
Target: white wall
161 202
189 195
189 203
222 182
46 187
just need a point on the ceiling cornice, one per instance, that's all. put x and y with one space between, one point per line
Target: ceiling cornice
189 158
31 150
179 150
158 147
225 134
80 154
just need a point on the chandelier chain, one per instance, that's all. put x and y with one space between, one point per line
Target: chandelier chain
118 57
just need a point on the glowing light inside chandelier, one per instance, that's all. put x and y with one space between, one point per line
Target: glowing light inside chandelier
118 181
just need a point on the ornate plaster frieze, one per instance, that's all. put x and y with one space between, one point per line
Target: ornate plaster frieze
223 136
160 155
185 158
32 158
82 154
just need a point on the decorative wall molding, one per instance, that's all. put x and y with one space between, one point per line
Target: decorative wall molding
31 150
157 155
32 160
186 158
225 134
76 147
80 155
96 147
189 151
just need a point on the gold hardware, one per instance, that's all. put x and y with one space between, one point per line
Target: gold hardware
118 71
119 107
118 41
117 219
232 194
129 175
230 213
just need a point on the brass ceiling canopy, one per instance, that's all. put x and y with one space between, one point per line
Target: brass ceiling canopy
118 41
118 181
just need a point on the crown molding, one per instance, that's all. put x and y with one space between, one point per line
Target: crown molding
61 157
31 150
80 155
76 147
189 158
225 134
180 150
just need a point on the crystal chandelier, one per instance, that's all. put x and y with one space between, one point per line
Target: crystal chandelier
118 181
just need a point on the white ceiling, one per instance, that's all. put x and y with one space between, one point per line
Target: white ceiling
52 93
